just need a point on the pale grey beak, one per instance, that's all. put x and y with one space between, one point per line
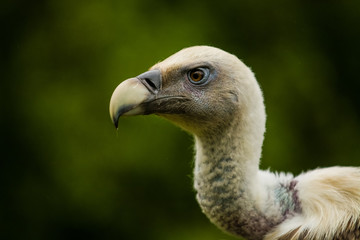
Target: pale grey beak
130 96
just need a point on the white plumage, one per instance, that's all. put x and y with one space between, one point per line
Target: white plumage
213 95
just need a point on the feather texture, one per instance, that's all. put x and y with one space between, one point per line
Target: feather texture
330 206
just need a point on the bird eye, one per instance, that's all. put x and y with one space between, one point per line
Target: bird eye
198 75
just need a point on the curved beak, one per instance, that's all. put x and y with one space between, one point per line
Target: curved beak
131 96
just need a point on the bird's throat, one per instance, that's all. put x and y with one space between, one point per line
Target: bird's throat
226 169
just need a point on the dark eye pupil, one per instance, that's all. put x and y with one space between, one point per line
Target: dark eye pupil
197 75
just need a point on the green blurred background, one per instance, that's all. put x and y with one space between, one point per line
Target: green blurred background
67 174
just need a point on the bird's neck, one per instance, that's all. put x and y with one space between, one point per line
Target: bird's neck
231 190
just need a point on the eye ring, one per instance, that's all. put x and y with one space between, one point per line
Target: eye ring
198 75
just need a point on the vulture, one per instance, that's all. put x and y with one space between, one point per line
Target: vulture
214 96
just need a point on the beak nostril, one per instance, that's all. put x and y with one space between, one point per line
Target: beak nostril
152 80
151 84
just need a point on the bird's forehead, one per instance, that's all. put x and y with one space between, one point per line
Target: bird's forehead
191 57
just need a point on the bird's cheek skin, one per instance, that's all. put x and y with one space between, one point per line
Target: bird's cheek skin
127 99
196 92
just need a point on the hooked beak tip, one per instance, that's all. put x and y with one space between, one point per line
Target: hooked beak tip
116 122
129 96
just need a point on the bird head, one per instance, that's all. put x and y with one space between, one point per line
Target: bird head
198 88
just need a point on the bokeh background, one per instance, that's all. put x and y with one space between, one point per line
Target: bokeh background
67 174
